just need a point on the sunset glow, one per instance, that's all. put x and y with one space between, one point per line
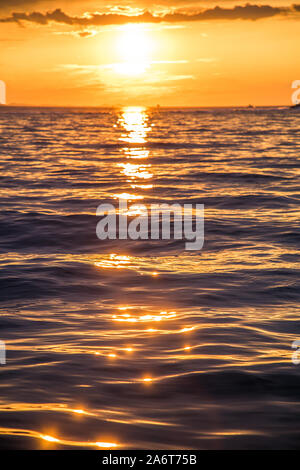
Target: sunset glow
134 46
202 56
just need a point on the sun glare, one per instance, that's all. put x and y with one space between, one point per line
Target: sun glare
134 46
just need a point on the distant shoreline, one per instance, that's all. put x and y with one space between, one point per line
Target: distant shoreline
144 106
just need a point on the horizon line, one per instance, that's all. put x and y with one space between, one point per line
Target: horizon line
249 106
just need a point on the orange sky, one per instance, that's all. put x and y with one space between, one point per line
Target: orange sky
181 54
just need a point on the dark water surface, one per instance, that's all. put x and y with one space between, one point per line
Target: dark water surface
85 322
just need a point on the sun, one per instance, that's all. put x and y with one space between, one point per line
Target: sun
134 47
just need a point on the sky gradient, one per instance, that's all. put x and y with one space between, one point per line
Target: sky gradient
176 53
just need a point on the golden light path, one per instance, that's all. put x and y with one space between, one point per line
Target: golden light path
134 120
134 127
56 440
127 317
133 170
134 123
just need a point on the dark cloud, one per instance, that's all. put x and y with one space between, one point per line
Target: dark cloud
245 12
84 34
9 4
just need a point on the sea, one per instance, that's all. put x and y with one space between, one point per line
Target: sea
143 344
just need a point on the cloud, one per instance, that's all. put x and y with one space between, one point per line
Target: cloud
93 74
122 4
85 33
245 12
5 4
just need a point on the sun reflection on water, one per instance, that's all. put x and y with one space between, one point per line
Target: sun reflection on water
136 171
53 440
134 120
65 442
127 317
